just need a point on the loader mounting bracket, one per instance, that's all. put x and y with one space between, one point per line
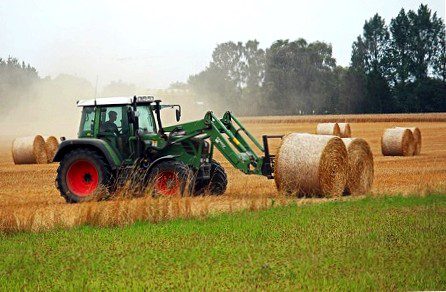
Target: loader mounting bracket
269 159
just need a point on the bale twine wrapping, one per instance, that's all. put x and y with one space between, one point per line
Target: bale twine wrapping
29 150
417 138
345 130
311 165
397 142
51 146
328 129
360 166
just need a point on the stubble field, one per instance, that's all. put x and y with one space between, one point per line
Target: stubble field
30 201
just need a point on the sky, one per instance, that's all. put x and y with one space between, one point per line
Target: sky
155 43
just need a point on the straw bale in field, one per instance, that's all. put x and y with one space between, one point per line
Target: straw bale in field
360 166
51 145
311 165
345 130
328 129
417 138
29 150
397 142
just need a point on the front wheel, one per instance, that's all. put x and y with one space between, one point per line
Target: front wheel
217 183
82 176
170 178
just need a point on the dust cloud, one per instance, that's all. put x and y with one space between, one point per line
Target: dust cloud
48 106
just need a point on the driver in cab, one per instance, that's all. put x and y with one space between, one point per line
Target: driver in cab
110 126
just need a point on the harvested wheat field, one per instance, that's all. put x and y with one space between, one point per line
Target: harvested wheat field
29 199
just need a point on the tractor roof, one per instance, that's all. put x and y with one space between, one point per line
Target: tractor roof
114 100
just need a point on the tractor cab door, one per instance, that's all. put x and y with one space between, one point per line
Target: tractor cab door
114 128
146 128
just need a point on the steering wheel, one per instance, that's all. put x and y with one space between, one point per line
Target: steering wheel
120 130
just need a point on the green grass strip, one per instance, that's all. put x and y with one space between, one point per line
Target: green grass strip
375 243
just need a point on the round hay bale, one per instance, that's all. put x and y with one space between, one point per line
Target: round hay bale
397 142
417 138
311 165
360 166
51 146
328 129
29 150
345 130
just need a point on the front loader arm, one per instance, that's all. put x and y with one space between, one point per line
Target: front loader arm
231 148
228 139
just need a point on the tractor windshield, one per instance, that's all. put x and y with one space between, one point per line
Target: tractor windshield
146 120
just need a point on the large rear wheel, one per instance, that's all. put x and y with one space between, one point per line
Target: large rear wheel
82 176
169 178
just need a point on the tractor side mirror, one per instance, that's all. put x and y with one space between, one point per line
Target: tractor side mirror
178 114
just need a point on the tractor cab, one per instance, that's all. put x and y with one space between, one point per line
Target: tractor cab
124 123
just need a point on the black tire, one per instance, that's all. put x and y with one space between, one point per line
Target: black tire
216 185
78 172
169 178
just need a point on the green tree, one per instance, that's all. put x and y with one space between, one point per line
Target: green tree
255 64
298 77
16 79
400 59
254 73
371 62
427 33
439 65
371 50
234 77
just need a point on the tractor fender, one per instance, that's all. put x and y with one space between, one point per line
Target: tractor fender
161 159
98 145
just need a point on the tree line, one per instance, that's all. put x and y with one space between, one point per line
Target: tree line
400 67
395 67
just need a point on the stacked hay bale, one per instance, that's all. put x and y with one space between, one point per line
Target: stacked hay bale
34 149
51 146
397 142
311 165
417 138
328 129
360 166
345 130
29 150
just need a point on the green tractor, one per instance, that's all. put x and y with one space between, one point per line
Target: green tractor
119 135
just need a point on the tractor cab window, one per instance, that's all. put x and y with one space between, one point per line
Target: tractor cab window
87 122
114 128
111 120
146 121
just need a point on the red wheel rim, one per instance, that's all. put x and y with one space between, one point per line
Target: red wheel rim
167 183
82 178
